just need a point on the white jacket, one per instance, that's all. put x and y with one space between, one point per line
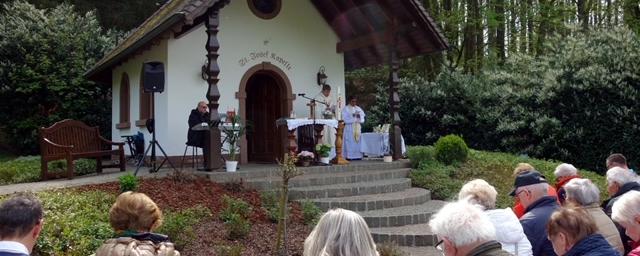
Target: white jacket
509 232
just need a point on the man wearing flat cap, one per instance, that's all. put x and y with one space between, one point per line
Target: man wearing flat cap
531 189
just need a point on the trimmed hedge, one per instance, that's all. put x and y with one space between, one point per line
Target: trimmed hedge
27 169
451 149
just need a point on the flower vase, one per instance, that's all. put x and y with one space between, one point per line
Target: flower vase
325 160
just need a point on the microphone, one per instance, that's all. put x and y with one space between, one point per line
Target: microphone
302 94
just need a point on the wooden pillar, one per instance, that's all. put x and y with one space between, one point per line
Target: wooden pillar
213 158
395 133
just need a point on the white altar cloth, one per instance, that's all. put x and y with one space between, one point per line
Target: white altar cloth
377 144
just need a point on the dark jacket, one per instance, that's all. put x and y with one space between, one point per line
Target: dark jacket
196 138
608 204
593 245
491 248
534 224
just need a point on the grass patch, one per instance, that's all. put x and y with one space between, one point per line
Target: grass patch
27 169
495 168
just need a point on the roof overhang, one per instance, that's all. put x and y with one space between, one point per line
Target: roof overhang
366 28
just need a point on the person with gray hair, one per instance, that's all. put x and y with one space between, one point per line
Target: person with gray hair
619 182
510 234
531 189
20 224
586 195
340 232
463 229
626 211
564 173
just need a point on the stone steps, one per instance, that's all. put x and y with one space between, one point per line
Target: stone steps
322 179
401 216
411 196
350 189
408 235
420 251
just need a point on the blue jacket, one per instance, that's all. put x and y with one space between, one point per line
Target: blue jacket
593 245
534 224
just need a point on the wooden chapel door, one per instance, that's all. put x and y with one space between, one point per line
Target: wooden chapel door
264 106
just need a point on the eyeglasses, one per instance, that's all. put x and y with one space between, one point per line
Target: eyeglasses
439 245
519 192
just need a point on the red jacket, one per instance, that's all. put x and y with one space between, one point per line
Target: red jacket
560 187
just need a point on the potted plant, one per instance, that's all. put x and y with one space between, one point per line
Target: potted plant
232 134
305 158
323 151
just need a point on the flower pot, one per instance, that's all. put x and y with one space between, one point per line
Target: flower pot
325 160
231 165
387 159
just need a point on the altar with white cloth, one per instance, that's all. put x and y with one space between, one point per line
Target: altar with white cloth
377 144
294 123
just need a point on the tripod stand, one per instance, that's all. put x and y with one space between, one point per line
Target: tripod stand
152 144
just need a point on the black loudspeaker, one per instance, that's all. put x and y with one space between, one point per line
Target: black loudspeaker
153 76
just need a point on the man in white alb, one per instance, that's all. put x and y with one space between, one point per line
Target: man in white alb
325 107
353 117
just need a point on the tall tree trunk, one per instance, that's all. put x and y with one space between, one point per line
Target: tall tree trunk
583 13
513 30
530 18
500 30
479 31
631 16
544 29
470 39
523 26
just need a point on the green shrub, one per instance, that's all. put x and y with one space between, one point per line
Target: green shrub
389 249
418 154
229 250
451 149
178 225
19 170
237 226
233 206
438 178
310 213
75 223
270 204
128 182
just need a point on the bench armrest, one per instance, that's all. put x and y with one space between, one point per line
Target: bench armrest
111 142
55 145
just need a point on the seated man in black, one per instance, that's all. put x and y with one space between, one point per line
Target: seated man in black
198 116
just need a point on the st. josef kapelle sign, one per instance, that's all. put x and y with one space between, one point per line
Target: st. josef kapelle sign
265 56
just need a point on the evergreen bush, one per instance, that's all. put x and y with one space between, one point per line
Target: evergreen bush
451 149
237 226
178 225
419 154
438 178
233 206
310 213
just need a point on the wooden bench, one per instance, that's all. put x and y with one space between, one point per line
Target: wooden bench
72 139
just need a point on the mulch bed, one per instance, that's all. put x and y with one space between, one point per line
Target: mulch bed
178 194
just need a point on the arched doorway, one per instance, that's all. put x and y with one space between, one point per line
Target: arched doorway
278 84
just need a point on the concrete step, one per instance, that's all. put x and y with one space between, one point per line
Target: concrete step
350 189
257 171
411 196
401 216
410 235
420 251
322 179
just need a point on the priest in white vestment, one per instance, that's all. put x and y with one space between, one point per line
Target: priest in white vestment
326 105
353 117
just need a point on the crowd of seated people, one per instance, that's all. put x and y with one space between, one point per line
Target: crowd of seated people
565 218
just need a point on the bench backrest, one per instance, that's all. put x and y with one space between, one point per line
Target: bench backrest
70 132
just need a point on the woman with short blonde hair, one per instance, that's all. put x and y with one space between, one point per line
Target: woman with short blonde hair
340 232
572 231
134 216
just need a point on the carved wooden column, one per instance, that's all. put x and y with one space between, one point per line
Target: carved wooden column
339 158
213 158
395 139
